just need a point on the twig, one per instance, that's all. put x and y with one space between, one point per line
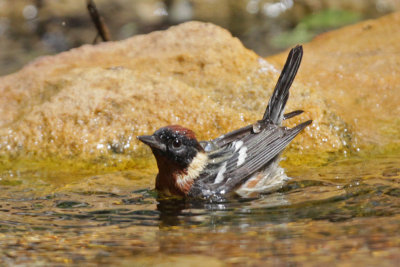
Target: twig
98 21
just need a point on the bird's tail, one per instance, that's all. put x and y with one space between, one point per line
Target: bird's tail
277 102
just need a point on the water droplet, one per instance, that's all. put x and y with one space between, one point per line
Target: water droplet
29 12
252 6
100 146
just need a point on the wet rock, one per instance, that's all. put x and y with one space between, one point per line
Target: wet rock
89 104
355 72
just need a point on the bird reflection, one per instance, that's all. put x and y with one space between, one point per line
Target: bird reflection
175 212
187 212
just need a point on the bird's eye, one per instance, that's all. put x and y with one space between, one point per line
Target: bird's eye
177 143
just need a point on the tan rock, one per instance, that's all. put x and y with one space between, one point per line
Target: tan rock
89 104
356 72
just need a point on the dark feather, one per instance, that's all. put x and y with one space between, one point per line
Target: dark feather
280 95
233 136
240 133
292 114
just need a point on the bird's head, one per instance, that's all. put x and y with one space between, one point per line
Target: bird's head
174 143
180 158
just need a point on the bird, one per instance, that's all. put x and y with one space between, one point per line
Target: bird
234 162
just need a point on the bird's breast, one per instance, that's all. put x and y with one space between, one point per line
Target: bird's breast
173 180
185 180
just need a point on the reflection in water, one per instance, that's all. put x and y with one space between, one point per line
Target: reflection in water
181 212
347 210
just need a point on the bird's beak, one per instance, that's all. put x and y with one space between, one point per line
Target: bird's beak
152 142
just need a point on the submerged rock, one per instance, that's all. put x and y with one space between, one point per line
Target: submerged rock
90 103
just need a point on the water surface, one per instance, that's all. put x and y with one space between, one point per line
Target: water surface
346 212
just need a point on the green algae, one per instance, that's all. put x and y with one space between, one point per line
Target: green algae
314 24
9 182
83 166
329 19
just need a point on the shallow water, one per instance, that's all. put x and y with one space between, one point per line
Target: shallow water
347 211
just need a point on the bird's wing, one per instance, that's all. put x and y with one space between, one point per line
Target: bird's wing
228 138
233 164
256 153
238 134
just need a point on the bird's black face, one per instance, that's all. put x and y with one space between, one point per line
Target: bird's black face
175 143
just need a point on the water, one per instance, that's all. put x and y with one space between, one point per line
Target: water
346 212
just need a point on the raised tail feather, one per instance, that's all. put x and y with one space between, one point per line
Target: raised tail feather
277 102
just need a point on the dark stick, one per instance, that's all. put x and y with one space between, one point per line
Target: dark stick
98 21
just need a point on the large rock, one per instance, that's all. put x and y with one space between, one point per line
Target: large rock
89 104
356 72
